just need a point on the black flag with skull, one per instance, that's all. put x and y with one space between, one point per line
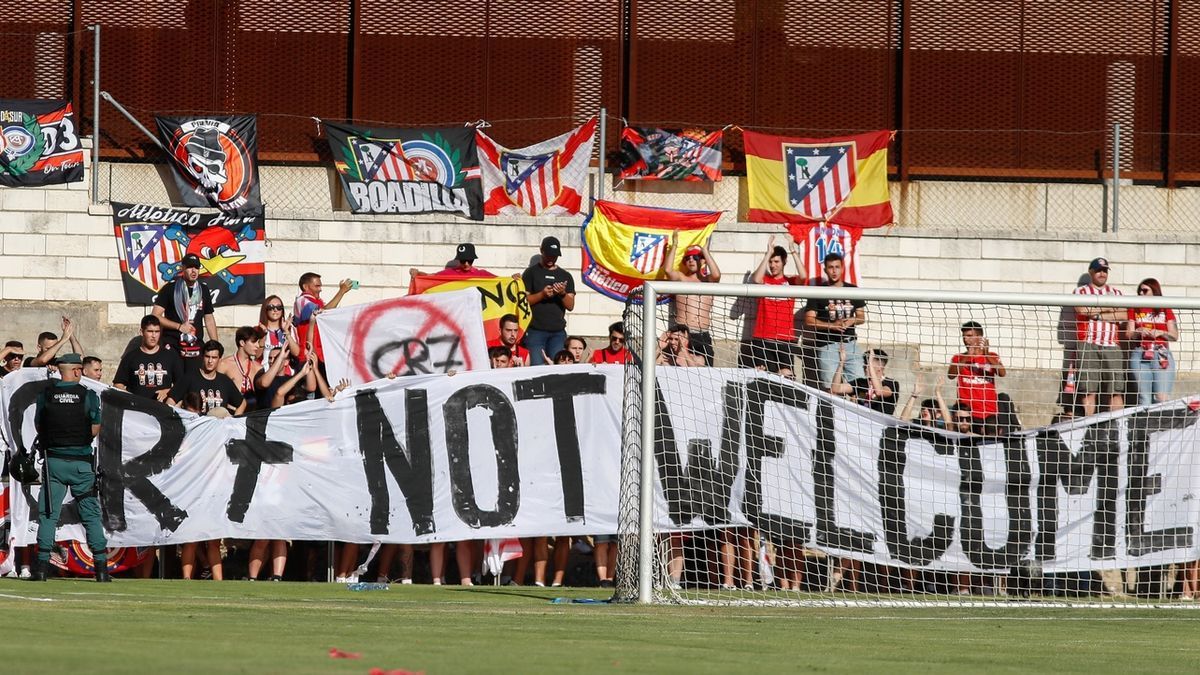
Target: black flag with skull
215 161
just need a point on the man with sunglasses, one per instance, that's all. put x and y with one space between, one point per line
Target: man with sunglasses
693 311
11 356
615 352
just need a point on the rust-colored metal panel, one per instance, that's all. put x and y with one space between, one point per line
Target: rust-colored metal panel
990 88
289 57
156 56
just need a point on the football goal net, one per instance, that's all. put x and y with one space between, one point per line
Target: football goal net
840 445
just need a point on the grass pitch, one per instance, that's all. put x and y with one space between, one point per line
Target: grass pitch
175 626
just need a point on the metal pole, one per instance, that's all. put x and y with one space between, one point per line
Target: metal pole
95 28
646 491
133 120
603 133
1116 171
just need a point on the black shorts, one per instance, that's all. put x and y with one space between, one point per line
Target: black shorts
701 343
773 355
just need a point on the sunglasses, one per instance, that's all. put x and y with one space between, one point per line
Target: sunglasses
613 338
274 308
14 357
692 257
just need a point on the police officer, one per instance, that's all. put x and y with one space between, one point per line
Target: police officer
67 419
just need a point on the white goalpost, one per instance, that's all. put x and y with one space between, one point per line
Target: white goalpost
940 447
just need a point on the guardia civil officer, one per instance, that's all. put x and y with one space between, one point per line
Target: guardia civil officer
67 419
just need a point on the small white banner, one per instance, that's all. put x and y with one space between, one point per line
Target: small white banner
409 335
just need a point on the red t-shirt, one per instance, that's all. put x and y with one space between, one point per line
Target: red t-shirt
1152 319
977 384
305 306
515 352
605 356
776 317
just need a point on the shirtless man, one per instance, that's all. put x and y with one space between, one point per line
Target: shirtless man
693 311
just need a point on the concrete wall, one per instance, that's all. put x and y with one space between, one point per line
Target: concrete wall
59 253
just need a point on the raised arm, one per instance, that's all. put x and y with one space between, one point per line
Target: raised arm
714 272
918 391
668 264
760 272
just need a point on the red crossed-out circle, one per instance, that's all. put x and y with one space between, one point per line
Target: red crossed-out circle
434 320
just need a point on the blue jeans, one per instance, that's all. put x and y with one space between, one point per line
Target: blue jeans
1150 377
827 362
549 342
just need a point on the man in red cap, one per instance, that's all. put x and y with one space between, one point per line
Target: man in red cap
693 311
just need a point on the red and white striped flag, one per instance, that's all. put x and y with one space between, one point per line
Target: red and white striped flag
496 552
545 179
819 240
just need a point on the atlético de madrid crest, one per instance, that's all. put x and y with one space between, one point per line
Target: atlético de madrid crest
819 177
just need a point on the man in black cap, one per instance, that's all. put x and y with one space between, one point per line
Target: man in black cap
464 257
67 419
1100 364
185 309
550 291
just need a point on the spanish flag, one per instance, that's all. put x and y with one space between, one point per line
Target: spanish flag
497 295
812 180
624 245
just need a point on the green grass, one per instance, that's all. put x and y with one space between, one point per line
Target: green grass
175 626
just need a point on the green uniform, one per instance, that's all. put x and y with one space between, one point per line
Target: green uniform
65 414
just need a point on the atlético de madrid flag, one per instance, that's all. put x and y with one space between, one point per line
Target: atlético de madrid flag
814 180
659 154
214 161
152 241
407 170
624 245
544 179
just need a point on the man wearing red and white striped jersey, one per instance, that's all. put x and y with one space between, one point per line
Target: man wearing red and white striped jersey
1101 368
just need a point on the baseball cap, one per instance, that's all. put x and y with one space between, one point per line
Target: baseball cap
466 253
550 246
1098 264
692 250
191 260
69 360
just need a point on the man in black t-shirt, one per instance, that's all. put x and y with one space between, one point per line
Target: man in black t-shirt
875 391
150 370
185 309
215 389
550 291
829 327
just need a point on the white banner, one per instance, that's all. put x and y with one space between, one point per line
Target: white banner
410 335
536 452
1110 491
487 454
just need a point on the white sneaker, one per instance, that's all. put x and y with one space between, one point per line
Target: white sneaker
26 573
341 580
406 582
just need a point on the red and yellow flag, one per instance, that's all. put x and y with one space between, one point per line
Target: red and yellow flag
841 180
497 296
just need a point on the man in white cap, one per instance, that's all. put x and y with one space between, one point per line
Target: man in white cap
67 419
